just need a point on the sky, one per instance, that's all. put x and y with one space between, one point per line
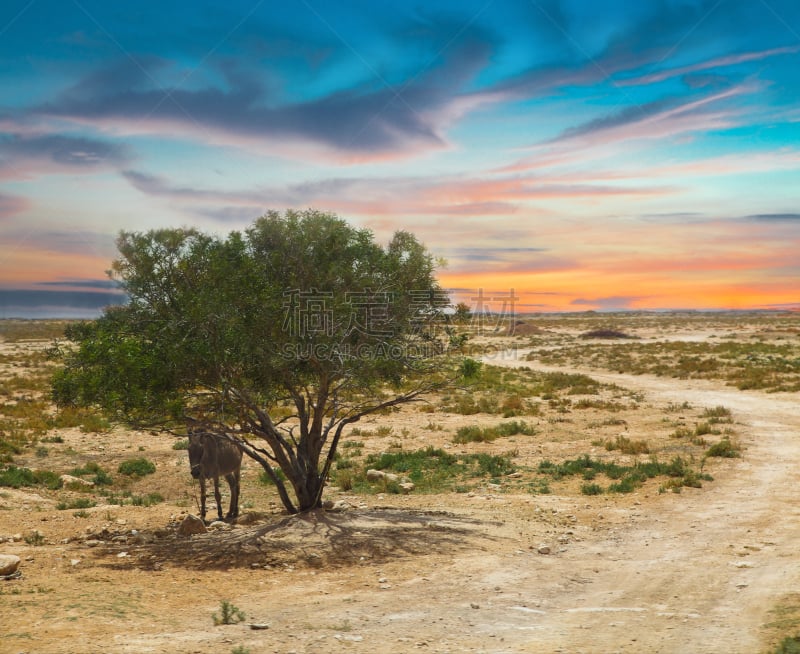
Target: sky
560 155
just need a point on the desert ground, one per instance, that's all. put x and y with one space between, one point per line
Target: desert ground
520 560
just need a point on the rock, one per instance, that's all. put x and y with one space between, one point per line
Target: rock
407 487
219 525
8 564
338 507
543 549
380 475
259 625
69 480
250 518
192 525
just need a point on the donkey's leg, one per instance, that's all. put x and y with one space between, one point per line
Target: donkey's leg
202 498
218 497
233 481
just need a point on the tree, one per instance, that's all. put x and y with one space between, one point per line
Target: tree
463 313
278 337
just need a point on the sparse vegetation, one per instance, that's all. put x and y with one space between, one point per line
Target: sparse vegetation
627 478
475 434
139 467
35 538
228 614
627 446
80 503
725 449
98 476
15 477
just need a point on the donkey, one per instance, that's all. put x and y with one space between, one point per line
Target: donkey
210 457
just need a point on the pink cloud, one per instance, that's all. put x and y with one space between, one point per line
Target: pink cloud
12 204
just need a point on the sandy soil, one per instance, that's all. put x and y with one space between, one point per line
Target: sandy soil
702 571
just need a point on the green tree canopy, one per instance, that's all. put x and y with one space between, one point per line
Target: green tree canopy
278 336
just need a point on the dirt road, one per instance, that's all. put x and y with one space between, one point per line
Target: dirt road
700 575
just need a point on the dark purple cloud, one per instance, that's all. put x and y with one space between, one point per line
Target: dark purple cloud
61 151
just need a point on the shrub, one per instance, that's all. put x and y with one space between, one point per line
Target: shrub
80 503
139 467
606 333
724 448
718 414
789 645
475 434
17 477
627 446
470 368
228 614
182 444
265 479
100 478
591 489
147 500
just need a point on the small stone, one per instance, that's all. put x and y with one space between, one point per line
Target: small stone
75 482
190 525
543 549
9 564
258 626
339 506
407 487
93 542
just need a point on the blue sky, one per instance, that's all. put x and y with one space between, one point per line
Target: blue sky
588 155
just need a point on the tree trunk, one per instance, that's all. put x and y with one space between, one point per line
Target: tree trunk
307 491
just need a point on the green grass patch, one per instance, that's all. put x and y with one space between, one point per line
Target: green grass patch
138 467
627 478
431 469
99 476
725 448
15 477
476 434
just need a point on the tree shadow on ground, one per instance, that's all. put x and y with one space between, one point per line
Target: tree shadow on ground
314 539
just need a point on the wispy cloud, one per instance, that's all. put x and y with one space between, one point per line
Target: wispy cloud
24 155
609 303
369 117
775 217
715 63
100 284
659 119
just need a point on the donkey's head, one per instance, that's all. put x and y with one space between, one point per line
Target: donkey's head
196 452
